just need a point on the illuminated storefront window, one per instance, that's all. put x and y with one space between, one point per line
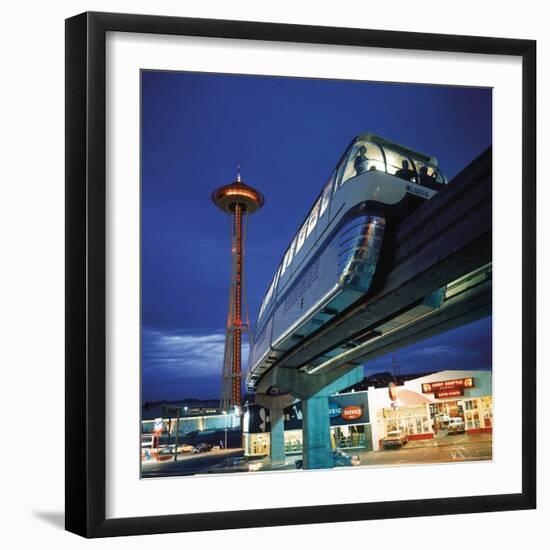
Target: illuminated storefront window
409 420
347 437
472 414
293 441
342 437
487 411
256 444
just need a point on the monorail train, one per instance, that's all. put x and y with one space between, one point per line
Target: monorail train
332 259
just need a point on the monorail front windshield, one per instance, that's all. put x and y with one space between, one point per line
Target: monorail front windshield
366 156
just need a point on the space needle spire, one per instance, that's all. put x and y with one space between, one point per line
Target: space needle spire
239 200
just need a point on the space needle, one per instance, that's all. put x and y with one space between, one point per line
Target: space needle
239 200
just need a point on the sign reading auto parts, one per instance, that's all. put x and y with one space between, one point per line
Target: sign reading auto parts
448 388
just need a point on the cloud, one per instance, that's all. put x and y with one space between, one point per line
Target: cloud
466 347
182 354
436 350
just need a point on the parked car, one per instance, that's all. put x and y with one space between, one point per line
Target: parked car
166 450
169 449
343 459
340 459
202 448
444 419
395 439
456 426
165 453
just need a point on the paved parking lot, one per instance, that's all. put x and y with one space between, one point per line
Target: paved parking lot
445 448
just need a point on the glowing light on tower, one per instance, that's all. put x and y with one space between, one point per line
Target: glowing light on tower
239 200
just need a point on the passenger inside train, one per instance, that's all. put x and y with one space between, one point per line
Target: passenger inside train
370 156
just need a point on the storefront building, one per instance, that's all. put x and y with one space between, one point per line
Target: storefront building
190 424
349 421
423 408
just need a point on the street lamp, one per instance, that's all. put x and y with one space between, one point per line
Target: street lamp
225 414
177 434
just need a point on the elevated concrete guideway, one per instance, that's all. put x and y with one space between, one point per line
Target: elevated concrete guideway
447 238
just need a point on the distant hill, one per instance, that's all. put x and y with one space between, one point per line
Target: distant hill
383 379
153 409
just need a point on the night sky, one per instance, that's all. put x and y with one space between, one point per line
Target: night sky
287 135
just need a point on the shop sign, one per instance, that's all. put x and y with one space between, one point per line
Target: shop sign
352 412
334 410
448 388
343 410
449 393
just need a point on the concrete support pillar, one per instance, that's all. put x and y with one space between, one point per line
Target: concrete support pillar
277 446
276 406
313 390
316 433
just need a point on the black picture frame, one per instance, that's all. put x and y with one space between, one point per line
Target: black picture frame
86 269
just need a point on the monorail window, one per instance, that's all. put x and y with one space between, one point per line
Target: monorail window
399 165
326 195
365 156
289 255
266 299
301 237
270 292
340 168
276 278
429 175
312 220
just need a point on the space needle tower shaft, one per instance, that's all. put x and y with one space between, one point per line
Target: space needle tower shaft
239 200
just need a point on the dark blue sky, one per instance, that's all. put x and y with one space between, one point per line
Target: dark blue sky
287 135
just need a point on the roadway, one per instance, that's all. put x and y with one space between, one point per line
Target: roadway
187 463
443 449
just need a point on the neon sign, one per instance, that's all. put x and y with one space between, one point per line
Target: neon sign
352 413
448 388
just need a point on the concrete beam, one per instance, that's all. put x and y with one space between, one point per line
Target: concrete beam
274 401
455 313
469 306
303 386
